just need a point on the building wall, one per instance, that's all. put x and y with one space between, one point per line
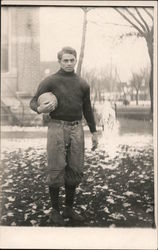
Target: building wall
23 52
8 58
48 68
28 49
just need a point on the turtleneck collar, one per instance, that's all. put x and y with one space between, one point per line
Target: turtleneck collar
63 72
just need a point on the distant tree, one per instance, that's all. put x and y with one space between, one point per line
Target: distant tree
109 77
101 82
138 81
95 83
146 73
136 17
122 88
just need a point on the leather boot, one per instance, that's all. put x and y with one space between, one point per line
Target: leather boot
70 213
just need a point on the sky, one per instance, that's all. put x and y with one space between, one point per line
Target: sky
62 26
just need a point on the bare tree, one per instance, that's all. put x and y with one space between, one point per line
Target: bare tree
122 89
139 81
109 77
136 83
104 81
136 18
84 31
95 83
146 73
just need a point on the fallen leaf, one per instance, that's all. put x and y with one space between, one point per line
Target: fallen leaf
7 205
47 211
83 207
105 187
112 226
106 210
126 205
25 216
130 193
34 206
10 214
33 222
110 200
13 224
149 210
11 198
117 216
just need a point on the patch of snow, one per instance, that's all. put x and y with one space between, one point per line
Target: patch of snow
108 142
32 128
23 129
15 144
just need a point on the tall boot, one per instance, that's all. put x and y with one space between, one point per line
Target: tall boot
69 212
70 194
55 216
54 196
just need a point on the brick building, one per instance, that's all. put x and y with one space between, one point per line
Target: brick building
20 67
20 39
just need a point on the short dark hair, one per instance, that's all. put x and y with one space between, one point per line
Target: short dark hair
67 50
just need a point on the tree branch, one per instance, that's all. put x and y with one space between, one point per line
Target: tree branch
110 24
142 19
148 13
135 18
86 9
129 21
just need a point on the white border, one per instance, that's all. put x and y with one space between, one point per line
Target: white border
87 238
155 115
78 238
79 3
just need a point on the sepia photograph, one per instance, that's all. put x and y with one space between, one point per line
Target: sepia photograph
79 119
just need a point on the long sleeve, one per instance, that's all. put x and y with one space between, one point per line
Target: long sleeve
33 103
42 88
88 112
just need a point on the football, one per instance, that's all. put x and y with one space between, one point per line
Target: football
46 98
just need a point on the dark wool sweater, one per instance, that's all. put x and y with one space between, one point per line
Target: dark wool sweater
73 95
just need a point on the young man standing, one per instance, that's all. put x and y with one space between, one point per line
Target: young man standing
65 137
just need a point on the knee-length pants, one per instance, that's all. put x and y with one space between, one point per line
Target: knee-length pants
65 153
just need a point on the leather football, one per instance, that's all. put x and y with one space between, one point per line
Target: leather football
46 98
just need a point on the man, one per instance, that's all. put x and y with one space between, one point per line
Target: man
65 138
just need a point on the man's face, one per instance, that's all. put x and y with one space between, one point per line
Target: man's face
68 62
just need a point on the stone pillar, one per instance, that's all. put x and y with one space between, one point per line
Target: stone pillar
28 49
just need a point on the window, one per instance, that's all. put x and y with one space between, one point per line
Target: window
4 40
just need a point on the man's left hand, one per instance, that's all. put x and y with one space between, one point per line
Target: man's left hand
94 140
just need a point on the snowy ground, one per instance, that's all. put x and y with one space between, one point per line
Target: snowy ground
108 139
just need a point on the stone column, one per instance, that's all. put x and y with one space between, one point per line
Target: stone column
28 49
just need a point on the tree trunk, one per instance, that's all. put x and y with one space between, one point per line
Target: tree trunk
131 95
80 61
137 97
149 41
151 89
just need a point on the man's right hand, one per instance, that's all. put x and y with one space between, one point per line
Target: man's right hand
46 107
94 140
